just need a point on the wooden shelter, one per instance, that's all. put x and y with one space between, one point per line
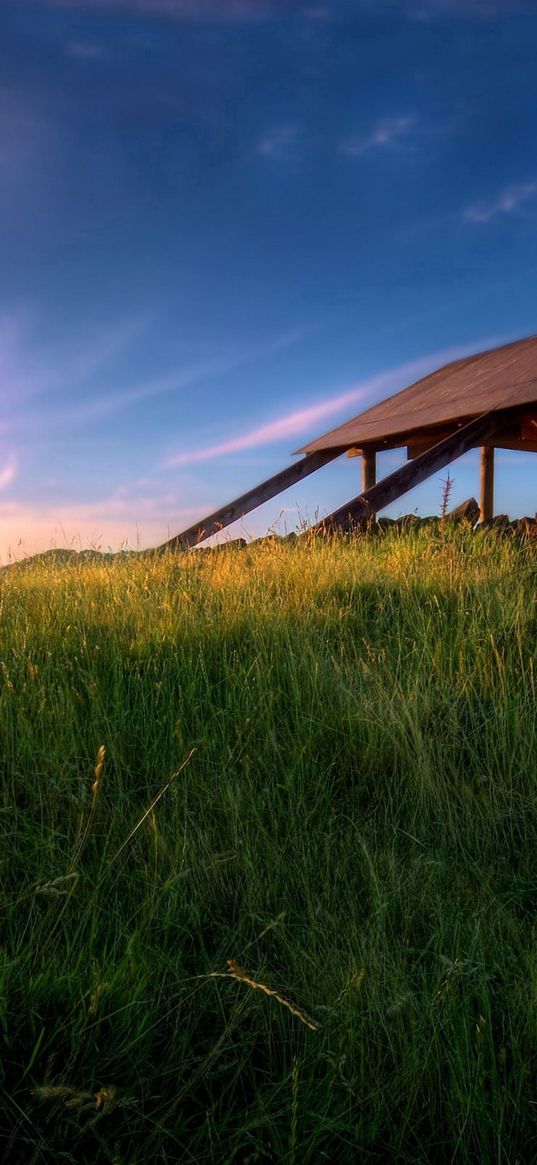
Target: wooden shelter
488 400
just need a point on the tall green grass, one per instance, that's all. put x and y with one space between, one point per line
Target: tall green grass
356 828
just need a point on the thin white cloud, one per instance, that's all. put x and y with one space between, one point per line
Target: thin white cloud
293 425
29 370
104 406
190 11
427 10
8 471
390 131
509 201
26 136
85 50
318 12
277 142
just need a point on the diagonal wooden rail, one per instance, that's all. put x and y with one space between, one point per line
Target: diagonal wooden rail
413 473
248 501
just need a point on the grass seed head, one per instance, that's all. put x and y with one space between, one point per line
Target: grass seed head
59 886
98 770
236 972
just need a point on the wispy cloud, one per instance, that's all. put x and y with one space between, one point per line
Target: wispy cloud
135 521
8 471
296 424
26 135
282 429
233 11
28 373
390 131
104 406
85 50
29 369
319 12
426 10
278 142
509 201
96 408
195 11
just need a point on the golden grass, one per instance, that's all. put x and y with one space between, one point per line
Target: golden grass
235 972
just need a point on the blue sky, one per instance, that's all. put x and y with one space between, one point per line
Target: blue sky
229 225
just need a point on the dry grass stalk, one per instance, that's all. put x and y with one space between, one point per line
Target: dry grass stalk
240 976
153 825
293 1140
70 879
95 789
59 886
75 1100
101 989
447 488
53 1092
98 771
149 811
480 1027
455 970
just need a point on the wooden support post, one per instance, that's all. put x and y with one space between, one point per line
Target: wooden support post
487 483
369 468
402 480
369 472
223 517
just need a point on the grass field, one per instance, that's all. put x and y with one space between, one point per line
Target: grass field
347 733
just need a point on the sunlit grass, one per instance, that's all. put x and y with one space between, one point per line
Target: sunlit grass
316 940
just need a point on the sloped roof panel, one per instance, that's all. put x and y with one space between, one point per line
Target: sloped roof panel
501 378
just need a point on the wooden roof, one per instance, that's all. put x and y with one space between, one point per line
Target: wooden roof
501 378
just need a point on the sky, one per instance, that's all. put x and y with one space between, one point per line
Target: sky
226 226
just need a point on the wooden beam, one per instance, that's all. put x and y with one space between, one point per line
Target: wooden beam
499 442
413 473
369 468
248 501
521 446
486 508
515 434
418 445
528 428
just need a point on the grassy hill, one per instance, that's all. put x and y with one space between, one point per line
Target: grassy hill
318 944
